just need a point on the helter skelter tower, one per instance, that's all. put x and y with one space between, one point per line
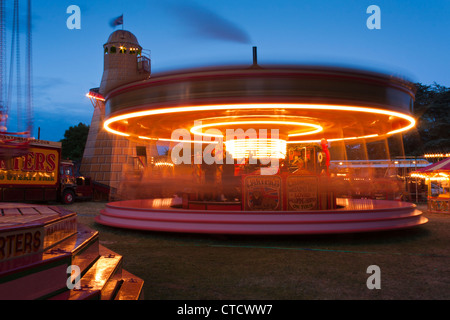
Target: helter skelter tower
107 156
14 142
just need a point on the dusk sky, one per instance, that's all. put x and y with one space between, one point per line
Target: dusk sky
413 42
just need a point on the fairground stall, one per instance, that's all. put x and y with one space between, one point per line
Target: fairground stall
437 178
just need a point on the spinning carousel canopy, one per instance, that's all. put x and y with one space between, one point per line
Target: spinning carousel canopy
304 103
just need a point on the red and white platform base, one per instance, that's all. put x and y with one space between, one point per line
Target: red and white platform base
37 245
354 215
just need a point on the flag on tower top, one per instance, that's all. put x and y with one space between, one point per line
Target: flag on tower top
116 21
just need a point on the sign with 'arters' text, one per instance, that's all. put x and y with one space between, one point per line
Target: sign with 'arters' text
38 166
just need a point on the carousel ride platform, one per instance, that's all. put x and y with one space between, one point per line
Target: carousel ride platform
38 243
351 216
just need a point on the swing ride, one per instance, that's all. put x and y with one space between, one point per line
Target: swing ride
16 93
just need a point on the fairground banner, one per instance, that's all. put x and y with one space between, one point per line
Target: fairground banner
39 166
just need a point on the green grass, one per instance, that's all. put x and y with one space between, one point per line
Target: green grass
415 263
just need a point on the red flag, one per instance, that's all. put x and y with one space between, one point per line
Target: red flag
117 21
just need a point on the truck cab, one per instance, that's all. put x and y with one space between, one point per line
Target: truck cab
67 182
85 188
73 186
77 187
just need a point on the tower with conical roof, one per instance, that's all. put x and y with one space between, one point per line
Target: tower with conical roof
123 61
107 156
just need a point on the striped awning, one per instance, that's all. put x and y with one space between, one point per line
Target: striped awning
443 165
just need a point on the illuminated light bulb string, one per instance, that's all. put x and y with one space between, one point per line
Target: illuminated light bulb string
113 124
256 148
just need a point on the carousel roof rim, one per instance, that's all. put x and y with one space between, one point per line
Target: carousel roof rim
319 70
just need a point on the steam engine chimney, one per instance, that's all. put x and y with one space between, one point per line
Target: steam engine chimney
255 56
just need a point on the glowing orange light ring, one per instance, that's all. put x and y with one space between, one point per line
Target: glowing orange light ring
317 127
171 110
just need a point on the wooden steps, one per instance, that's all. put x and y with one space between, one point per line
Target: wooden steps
35 254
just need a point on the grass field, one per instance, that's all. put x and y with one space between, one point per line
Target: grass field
414 263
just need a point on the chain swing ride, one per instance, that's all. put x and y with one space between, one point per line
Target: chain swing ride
15 143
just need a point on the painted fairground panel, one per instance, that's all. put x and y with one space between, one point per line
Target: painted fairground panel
301 192
262 193
439 205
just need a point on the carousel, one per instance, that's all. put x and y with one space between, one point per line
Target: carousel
251 148
437 178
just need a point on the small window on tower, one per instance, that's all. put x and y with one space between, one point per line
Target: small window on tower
113 49
106 50
141 151
123 50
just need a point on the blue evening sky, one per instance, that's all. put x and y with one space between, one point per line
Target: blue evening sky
413 42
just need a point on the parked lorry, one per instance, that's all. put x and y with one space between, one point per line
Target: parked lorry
40 174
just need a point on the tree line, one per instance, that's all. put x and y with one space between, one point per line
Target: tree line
74 141
432 112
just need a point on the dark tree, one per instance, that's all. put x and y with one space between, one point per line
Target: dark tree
431 134
74 141
432 111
